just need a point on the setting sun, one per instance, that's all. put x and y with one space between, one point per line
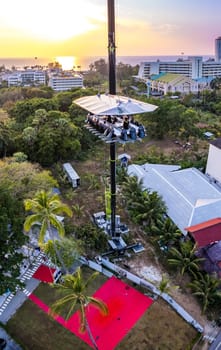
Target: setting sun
67 62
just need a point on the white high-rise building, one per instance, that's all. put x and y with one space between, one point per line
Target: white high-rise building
193 67
218 49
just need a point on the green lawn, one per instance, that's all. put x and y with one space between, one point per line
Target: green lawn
160 328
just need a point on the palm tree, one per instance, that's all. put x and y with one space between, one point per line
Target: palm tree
215 84
122 175
206 287
132 188
185 259
69 250
166 232
74 290
149 209
164 285
93 181
78 210
44 209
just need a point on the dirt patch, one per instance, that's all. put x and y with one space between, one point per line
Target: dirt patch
147 266
166 146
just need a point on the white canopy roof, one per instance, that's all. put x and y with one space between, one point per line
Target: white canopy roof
113 105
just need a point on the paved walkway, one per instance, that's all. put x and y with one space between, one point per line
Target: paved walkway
11 344
216 344
14 300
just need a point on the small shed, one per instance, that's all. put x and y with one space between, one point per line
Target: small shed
72 175
208 134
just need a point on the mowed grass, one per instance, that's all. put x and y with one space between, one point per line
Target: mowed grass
160 328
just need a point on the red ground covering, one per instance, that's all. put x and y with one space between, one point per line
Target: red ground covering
125 304
44 274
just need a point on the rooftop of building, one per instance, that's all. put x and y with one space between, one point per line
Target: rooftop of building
206 233
189 196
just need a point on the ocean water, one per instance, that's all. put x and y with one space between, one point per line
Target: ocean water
83 63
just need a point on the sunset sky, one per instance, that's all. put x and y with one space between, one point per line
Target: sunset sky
79 27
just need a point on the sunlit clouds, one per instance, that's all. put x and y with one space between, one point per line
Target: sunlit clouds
50 20
79 27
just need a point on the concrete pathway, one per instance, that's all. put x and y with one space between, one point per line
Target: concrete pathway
11 344
17 300
14 300
216 345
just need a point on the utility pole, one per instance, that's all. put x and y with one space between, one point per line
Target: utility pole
111 48
112 91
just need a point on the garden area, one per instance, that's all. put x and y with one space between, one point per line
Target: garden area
158 328
35 162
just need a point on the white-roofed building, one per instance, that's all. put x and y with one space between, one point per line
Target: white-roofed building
189 195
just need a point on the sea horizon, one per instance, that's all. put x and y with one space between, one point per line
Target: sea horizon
83 63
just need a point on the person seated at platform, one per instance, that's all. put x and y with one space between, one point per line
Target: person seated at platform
132 119
141 131
123 135
93 120
114 119
126 122
133 134
102 126
89 119
109 119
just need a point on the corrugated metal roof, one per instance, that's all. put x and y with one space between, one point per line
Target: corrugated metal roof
203 225
189 197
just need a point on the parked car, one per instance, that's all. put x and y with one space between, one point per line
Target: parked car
2 343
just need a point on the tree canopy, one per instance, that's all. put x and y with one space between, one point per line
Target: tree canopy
24 178
11 240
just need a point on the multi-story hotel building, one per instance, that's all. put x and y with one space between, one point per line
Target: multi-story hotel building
193 67
27 78
65 81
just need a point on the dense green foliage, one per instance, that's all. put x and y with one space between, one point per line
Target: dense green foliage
47 127
24 178
145 207
207 289
11 240
93 238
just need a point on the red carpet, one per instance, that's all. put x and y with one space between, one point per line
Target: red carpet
126 305
44 274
